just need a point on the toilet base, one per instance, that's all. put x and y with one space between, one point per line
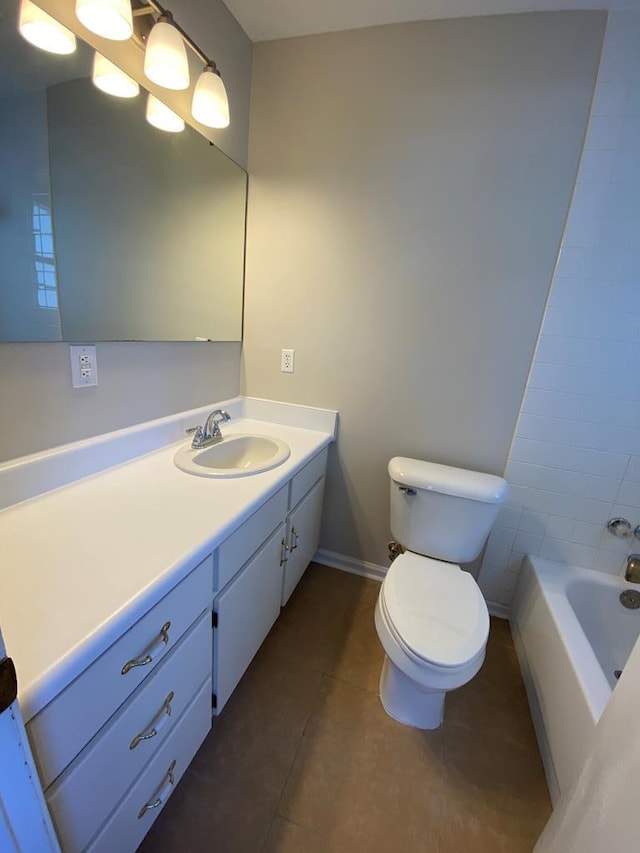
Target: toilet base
408 702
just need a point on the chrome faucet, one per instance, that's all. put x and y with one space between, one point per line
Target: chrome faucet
633 568
210 432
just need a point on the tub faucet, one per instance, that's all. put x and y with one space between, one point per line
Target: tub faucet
210 432
633 568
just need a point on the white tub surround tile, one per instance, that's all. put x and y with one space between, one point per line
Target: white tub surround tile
575 457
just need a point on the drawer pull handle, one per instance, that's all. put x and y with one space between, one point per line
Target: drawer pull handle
296 536
283 552
163 639
157 723
162 793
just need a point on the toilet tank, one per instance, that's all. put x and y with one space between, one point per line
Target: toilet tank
443 512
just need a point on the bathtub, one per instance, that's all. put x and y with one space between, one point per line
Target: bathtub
571 634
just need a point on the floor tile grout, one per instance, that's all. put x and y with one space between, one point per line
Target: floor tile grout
350 683
310 717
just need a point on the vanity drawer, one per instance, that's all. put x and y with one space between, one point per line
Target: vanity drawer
59 732
93 784
234 552
309 475
128 824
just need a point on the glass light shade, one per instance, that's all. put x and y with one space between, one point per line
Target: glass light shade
165 59
110 79
110 19
210 105
162 117
43 31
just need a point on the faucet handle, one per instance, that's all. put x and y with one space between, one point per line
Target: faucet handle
632 573
619 527
198 436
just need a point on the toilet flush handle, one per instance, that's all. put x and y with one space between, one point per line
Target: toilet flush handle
407 491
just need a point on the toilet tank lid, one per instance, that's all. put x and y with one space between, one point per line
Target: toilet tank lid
446 480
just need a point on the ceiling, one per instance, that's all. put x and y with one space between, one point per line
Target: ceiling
273 19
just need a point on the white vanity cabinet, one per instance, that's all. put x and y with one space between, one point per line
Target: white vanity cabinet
259 566
112 625
95 744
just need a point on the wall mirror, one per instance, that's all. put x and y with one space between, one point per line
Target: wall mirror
110 229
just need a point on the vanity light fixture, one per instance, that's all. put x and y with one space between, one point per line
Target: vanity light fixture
165 59
160 116
43 31
165 44
210 105
165 63
111 79
111 19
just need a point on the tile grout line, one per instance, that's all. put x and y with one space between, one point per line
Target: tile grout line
297 750
313 712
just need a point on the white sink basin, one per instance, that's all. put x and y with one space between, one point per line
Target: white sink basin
235 456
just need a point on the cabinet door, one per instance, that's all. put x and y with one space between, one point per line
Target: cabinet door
246 610
303 535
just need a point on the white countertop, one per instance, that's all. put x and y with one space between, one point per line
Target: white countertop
80 564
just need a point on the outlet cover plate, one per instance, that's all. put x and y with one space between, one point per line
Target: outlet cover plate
84 366
287 360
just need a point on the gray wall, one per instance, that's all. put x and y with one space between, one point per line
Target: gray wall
137 382
39 409
408 189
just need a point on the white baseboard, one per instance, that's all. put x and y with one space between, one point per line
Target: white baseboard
350 564
377 573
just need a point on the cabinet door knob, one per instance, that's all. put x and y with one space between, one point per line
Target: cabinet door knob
153 651
156 724
163 792
283 552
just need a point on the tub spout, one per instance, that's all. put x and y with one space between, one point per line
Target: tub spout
633 568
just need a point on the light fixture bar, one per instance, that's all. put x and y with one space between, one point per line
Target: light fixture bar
153 6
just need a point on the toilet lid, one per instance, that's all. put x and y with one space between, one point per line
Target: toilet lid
436 609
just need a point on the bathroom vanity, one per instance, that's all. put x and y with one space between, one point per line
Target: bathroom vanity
133 596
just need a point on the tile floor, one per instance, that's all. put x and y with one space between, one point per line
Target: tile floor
304 760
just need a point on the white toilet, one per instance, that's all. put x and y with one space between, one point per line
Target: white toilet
431 617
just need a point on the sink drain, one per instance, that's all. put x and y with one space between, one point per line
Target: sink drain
630 598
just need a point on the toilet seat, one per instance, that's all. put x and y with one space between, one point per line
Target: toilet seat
435 611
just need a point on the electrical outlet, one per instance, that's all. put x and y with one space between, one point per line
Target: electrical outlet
84 366
287 359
